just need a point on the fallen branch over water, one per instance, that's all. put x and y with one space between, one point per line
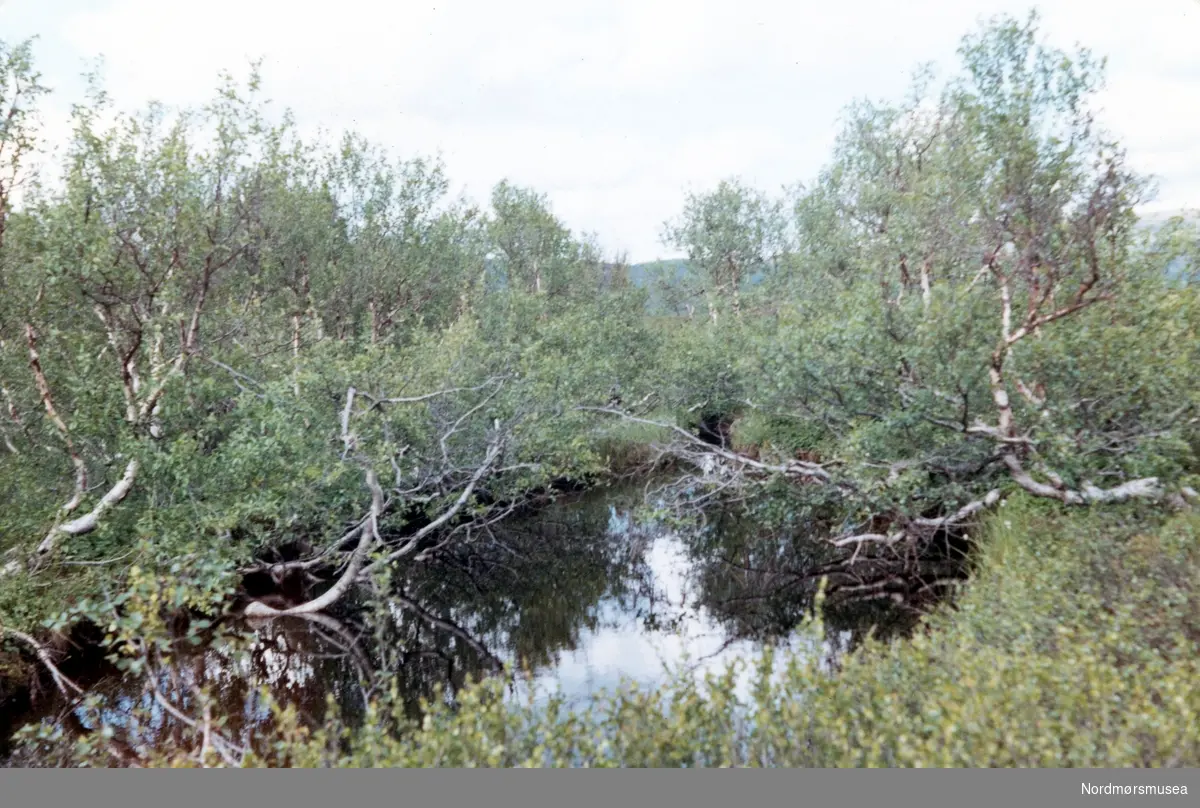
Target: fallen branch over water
61 681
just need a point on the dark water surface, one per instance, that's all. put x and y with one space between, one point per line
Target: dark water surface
588 592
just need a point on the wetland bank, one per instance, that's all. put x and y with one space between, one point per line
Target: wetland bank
298 446
585 594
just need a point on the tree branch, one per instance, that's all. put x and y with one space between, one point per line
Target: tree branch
368 537
794 468
43 386
89 521
60 679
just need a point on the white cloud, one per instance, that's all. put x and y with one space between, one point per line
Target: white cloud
614 107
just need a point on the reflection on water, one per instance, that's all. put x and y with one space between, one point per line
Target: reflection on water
582 595
666 629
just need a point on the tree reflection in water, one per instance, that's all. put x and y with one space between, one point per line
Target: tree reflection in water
576 597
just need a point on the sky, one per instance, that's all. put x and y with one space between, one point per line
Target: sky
616 108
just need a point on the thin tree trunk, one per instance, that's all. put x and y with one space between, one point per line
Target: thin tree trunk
318 323
296 355
735 282
13 416
43 386
1010 447
926 284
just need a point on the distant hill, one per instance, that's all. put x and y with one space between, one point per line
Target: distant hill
647 272
1157 219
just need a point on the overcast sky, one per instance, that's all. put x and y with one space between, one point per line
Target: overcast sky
613 108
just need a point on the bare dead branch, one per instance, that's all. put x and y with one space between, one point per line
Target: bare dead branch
60 679
375 402
368 537
794 468
864 538
962 514
1146 488
412 542
231 371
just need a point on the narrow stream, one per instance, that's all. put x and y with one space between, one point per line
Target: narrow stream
578 598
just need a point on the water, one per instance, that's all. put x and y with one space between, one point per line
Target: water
578 598
682 636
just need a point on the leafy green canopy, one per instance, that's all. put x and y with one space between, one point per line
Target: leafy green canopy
217 339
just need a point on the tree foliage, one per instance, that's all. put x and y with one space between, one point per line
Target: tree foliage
224 343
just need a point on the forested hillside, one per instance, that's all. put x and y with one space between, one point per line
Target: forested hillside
246 375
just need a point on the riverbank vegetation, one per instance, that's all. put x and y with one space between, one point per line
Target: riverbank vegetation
951 380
